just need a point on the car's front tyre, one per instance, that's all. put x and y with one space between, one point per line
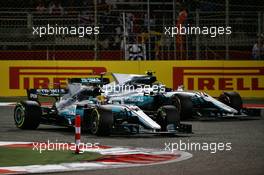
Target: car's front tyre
101 122
232 99
185 105
168 115
27 115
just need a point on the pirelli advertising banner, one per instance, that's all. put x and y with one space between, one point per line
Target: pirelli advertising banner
212 77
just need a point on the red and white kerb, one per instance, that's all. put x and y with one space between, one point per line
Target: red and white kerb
77 133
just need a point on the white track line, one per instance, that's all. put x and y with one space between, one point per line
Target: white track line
7 103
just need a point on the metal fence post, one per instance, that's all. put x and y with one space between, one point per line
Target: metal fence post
95 25
197 41
174 24
149 46
29 26
162 39
263 22
227 24
259 32
124 35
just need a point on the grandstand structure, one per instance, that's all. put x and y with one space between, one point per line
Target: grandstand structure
126 22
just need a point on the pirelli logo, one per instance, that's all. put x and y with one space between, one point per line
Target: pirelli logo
42 77
219 78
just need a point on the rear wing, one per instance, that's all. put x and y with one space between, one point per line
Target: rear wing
33 94
90 81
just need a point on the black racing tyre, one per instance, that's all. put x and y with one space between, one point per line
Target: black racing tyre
175 101
186 106
101 122
168 114
27 115
232 99
85 123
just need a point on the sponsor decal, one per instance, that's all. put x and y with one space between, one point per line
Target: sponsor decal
219 78
43 77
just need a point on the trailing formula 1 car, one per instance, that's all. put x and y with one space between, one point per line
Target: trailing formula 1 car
82 97
148 94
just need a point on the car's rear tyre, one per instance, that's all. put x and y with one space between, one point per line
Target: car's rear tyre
175 101
168 115
85 123
232 99
101 122
186 106
27 115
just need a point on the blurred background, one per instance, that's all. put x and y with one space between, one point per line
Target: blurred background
132 29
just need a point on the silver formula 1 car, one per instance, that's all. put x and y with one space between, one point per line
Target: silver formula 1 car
148 94
82 97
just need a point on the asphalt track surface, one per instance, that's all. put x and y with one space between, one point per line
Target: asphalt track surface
246 137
